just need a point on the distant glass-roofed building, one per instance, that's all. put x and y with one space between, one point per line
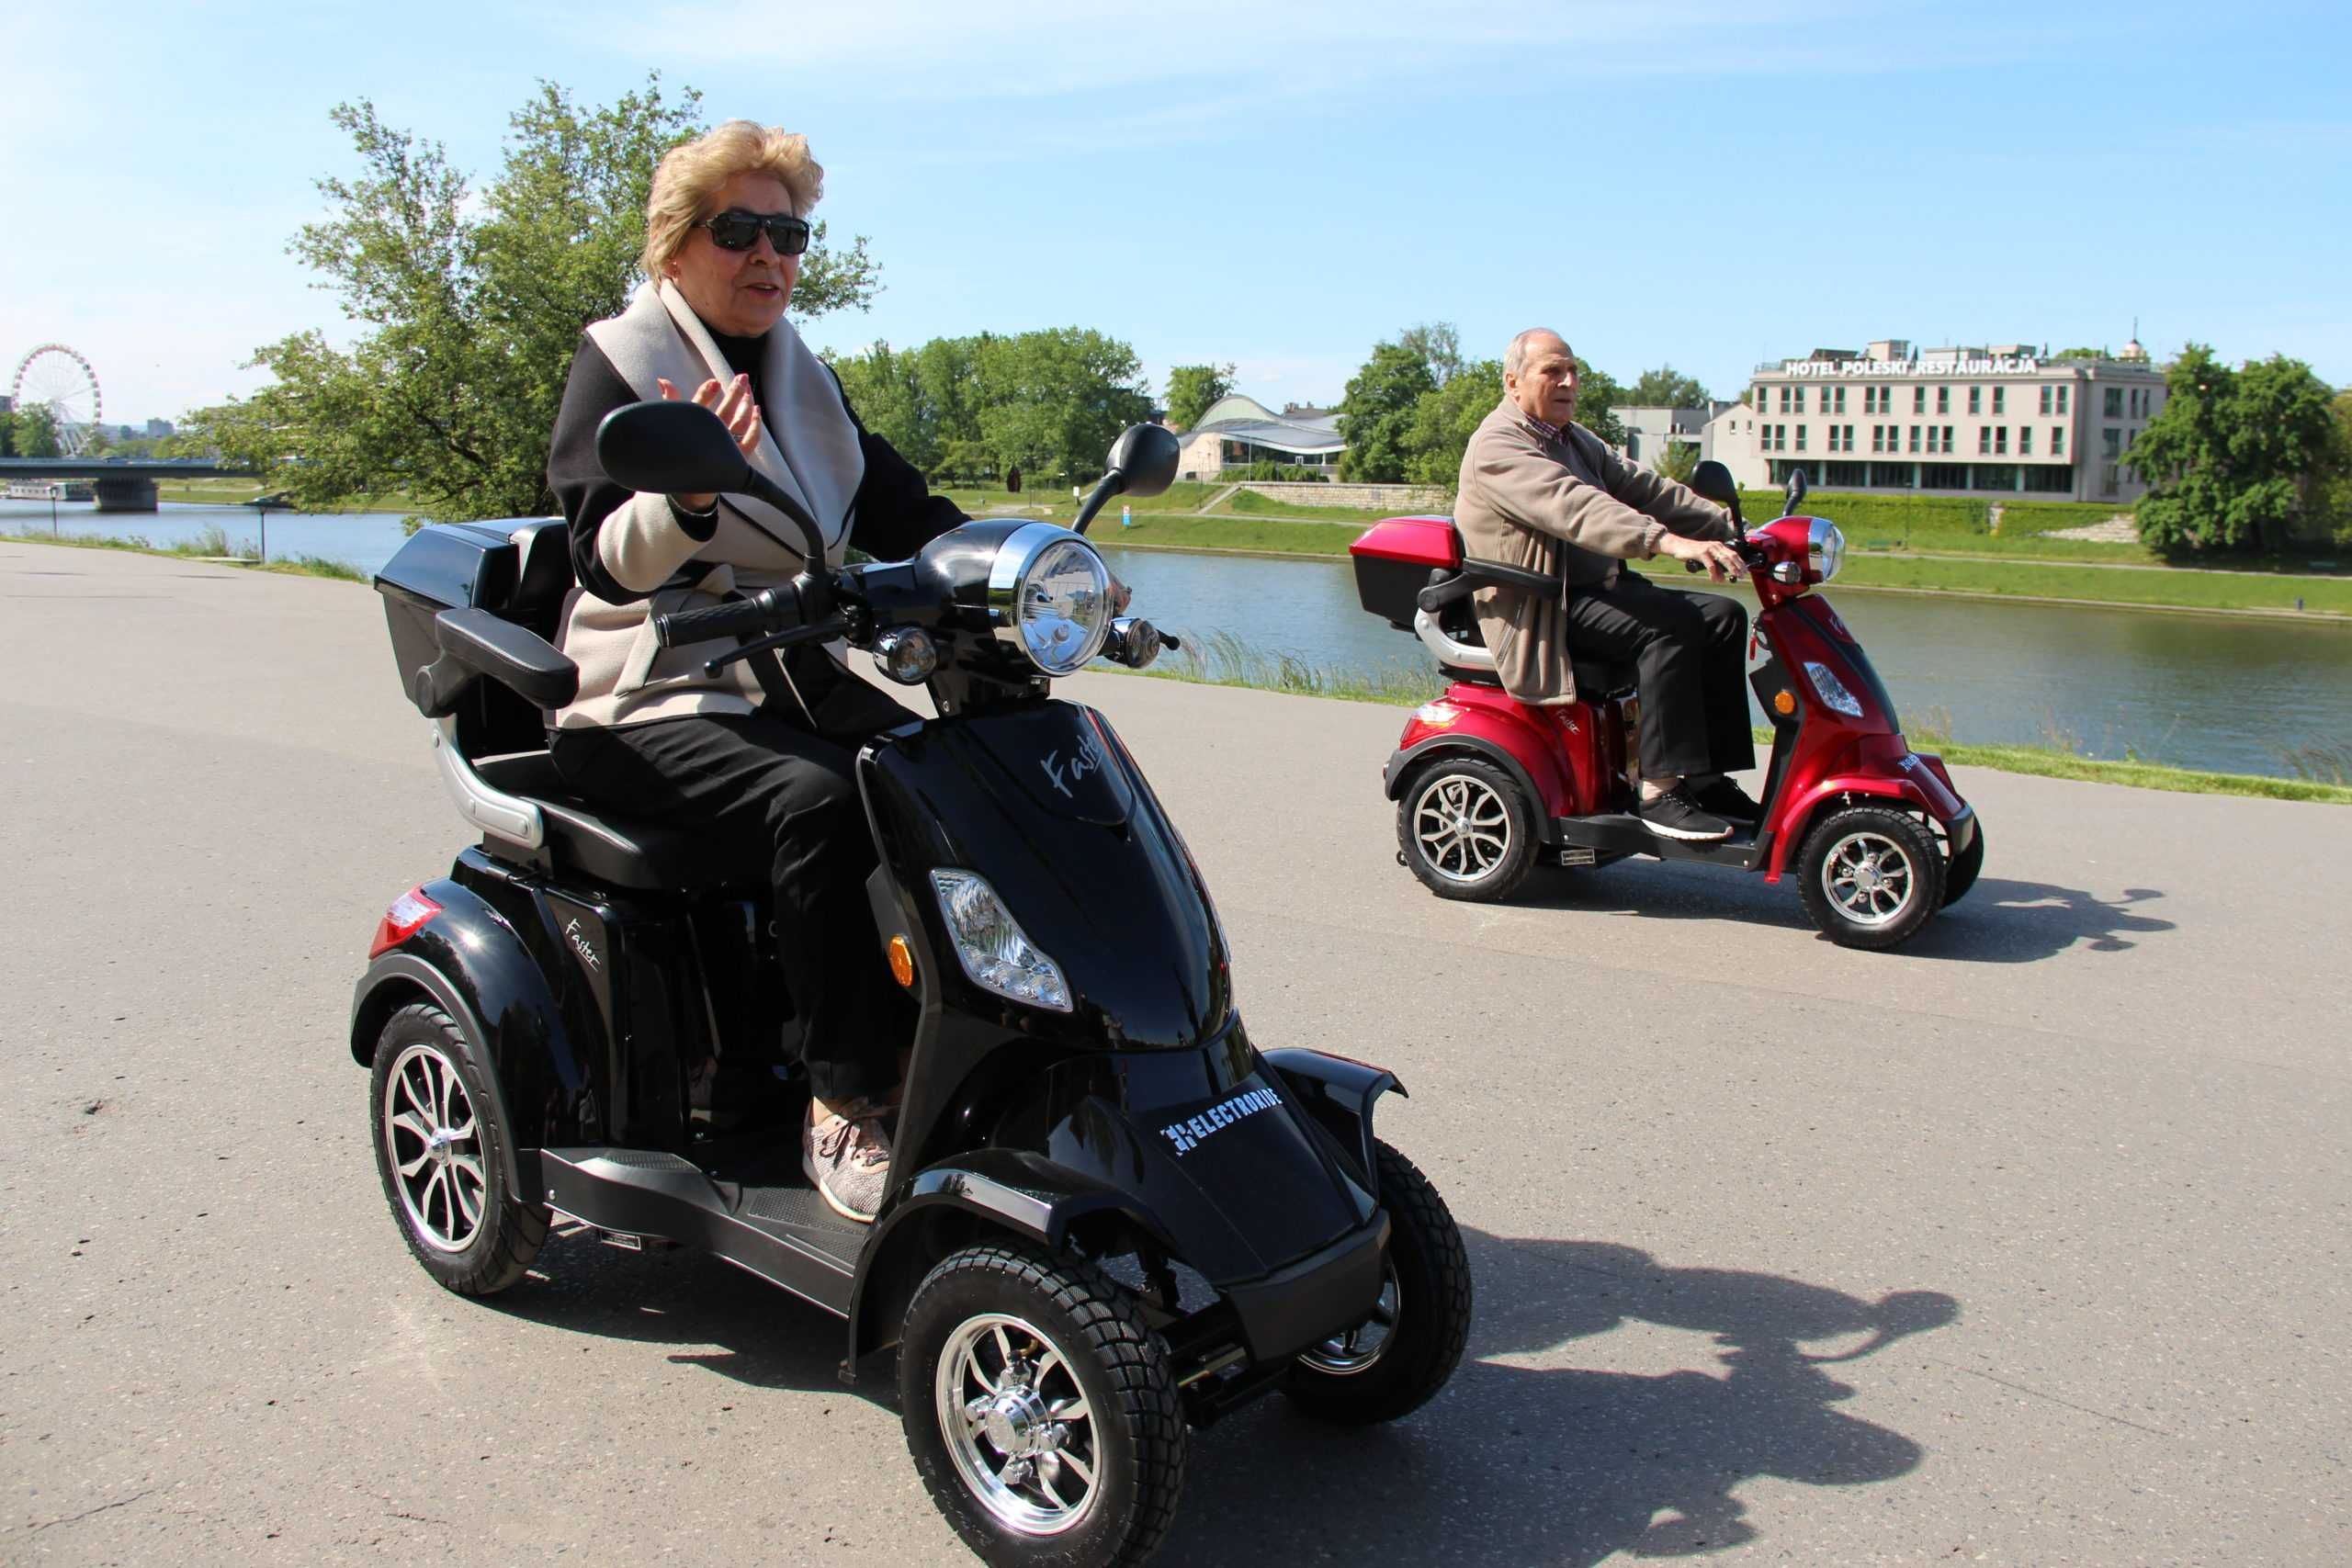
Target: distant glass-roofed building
1237 430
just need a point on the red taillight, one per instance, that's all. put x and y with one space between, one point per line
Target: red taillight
409 911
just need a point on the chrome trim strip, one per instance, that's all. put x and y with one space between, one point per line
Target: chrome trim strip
1460 655
492 810
1013 559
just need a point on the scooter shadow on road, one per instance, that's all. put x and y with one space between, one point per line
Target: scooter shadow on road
1511 1464
2000 921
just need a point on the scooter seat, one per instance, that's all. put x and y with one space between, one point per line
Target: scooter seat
606 848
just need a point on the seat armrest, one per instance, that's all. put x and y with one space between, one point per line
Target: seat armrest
475 642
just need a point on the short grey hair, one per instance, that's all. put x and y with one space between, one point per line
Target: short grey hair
1515 356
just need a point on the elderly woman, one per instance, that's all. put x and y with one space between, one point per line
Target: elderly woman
758 757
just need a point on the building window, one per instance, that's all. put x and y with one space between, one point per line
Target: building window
1976 400
1801 430
1840 394
1984 440
2058 441
2107 480
2046 391
2001 440
1943 399
1947 437
2024 441
1800 400
2115 402
2000 400
1918 399
2110 444
1914 438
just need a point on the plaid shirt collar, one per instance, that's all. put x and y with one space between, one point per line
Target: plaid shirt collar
1548 432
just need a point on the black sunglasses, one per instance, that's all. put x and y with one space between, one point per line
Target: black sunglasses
737 231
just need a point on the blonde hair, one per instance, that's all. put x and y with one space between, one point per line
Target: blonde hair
688 177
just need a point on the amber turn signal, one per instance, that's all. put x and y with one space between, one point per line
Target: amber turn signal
1784 702
902 962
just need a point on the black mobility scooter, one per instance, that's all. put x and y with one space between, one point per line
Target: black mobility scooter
1112 1217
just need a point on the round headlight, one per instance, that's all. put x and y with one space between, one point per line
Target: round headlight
1052 597
1826 547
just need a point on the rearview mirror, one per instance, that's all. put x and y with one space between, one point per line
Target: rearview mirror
1145 456
671 448
1796 489
1713 480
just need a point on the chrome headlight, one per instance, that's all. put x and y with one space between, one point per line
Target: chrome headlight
1049 595
996 955
1827 546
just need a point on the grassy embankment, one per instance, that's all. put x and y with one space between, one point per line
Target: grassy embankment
213 545
229 489
1914 543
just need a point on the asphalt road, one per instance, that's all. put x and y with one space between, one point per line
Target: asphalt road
2026 1245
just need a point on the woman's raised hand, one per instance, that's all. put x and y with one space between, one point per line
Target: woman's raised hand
736 410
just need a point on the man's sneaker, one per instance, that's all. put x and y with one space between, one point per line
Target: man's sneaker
1720 797
848 1158
1674 815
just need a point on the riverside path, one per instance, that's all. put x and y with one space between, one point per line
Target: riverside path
2025 1245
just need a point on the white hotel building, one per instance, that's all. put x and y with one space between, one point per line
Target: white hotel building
1994 421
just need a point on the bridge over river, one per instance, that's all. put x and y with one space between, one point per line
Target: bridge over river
123 484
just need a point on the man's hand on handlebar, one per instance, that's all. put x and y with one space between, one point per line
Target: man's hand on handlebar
1723 563
736 409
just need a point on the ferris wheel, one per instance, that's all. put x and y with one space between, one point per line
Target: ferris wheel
58 378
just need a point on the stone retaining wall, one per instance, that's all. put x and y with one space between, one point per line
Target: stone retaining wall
1399 499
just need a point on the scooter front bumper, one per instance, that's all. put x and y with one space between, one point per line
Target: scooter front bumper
1314 1297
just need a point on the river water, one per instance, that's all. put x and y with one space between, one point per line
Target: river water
2199 691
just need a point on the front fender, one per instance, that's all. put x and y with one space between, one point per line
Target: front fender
1339 1093
468 962
1919 788
1019 1194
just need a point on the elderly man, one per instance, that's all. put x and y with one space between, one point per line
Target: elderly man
1542 492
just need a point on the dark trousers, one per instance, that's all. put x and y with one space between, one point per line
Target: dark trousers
1689 654
782 794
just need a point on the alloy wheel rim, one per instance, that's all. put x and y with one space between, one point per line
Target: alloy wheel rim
1869 878
1461 826
1018 1426
434 1140
1359 1350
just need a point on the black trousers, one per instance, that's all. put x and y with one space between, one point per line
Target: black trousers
780 792
1689 653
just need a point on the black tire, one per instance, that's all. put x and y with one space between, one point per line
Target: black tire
1466 829
1131 1434
1427 1300
426 1070
1904 860
1959 870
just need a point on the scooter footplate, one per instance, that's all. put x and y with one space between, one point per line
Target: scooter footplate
1621 833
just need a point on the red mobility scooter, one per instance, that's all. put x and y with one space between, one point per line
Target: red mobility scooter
1487 787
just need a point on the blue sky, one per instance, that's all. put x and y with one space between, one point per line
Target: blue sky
1275 185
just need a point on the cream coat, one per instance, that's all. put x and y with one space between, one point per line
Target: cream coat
809 446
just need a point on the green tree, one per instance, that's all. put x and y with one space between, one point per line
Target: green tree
1440 346
35 433
1377 412
1048 401
1444 418
7 433
472 311
1677 460
2335 494
2236 459
1193 389
1666 387
1598 397
2082 354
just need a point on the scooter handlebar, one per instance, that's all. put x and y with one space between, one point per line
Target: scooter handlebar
769 610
